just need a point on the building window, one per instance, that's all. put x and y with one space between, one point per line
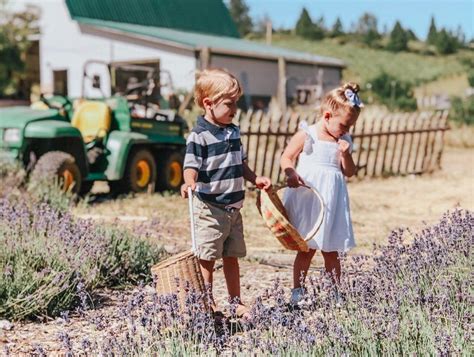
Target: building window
60 82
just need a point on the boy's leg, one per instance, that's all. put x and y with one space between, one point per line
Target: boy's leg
301 266
234 248
232 277
332 265
207 269
210 224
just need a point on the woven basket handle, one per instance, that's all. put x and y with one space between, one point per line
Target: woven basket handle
191 216
319 220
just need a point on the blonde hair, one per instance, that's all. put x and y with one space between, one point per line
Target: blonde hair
215 84
336 99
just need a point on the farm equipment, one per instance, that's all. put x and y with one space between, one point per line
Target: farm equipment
125 139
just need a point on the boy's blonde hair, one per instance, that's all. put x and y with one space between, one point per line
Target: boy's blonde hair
336 99
215 84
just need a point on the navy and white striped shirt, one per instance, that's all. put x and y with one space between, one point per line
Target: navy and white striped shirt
217 154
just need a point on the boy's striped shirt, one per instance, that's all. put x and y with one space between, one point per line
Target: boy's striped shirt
217 154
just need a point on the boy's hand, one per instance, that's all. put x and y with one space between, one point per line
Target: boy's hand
343 147
294 180
263 182
184 188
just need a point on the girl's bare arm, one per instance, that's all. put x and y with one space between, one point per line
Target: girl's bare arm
348 166
289 156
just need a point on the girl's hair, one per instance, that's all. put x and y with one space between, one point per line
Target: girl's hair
216 84
336 99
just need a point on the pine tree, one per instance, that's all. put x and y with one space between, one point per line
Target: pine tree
432 33
337 29
398 39
240 14
319 29
446 43
367 28
304 25
411 35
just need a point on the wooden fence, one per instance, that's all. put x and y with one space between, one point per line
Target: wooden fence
384 145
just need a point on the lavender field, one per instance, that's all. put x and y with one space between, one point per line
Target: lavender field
411 295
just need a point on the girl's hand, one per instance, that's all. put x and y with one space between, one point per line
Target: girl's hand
263 182
184 188
344 147
294 180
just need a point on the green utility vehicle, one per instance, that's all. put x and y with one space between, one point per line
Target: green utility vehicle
125 139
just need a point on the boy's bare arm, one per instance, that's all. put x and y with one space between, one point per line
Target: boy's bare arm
249 175
190 177
261 182
348 166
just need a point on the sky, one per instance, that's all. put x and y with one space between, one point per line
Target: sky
415 14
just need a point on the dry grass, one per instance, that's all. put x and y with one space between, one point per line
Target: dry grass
377 205
451 85
460 136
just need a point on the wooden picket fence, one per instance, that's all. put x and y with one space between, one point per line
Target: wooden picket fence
384 145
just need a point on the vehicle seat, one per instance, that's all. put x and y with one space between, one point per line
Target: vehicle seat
93 120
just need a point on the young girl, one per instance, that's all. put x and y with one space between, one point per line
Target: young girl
324 151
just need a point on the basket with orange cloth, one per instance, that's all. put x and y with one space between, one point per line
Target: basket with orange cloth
276 218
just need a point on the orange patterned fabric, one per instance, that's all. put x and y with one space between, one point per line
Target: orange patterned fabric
274 215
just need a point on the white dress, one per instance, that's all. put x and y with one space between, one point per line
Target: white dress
319 166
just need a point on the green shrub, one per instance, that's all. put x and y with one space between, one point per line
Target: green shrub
394 93
462 111
49 258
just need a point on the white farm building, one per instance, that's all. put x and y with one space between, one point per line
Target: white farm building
179 36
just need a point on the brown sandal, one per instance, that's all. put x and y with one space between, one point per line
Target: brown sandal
243 311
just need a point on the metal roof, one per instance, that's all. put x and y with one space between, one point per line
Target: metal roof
204 16
217 44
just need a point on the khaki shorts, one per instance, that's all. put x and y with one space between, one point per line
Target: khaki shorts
219 232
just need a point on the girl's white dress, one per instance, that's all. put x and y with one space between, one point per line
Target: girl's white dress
319 166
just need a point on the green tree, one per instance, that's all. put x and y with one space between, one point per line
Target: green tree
432 33
398 39
411 35
319 28
446 43
337 29
240 14
304 25
367 29
15 31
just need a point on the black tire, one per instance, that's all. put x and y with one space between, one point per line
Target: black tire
61 165
170 171
86 187
140 173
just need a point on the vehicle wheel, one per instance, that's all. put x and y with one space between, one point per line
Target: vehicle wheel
139 173
86 187
61 165
170 171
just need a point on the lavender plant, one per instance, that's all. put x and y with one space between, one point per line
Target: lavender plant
408 299
46 253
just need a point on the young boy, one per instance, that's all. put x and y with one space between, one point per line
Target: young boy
215 168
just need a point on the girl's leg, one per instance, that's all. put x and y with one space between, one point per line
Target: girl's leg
301 266
332 265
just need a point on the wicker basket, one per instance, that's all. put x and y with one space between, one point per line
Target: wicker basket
181 273
276 218
178 275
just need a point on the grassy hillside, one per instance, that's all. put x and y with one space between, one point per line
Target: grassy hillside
365 63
